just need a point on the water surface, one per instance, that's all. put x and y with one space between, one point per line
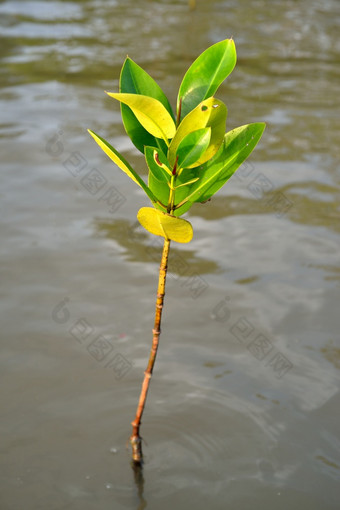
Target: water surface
243 409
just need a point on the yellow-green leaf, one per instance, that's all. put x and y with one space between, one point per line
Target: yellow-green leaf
165 225
236 147
118 159
209 113
150 112
134 80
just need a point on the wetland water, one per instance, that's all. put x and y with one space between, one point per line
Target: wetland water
243 409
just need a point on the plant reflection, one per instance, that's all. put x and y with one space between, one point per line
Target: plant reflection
138 248
139 482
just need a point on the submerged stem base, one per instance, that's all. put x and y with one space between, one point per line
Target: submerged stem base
136 445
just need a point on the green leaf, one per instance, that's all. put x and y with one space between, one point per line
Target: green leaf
209 113
157 164
183 209
134 80
150 112
159 176
160 190
122 163
184 182
236 147
192 147
206 74
183 189
165 225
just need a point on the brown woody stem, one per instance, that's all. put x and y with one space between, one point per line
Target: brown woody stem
135 439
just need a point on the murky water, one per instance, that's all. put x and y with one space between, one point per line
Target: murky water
243 409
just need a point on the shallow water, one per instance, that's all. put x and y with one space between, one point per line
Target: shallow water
228 424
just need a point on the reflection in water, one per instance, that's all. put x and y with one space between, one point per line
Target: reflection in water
331 353
139 482
317 205
328 462
140 246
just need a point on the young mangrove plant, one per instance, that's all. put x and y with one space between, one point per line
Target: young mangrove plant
189 157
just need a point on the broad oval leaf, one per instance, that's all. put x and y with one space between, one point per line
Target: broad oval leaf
121 162
150 112
206 74
236 147
209 113
134 80
165 225
192 147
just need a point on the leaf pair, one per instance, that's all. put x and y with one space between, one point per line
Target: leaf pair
200 82
188 148
165 225
134 80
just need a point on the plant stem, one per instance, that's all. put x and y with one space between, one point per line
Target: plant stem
135 439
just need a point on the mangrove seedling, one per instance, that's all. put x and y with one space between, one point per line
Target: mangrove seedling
189 157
